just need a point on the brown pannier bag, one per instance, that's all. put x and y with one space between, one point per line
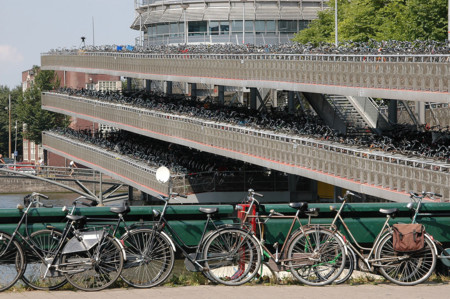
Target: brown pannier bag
408 237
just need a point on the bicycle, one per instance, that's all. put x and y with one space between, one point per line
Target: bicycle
225 254
88 257
442 253
314 255
402 268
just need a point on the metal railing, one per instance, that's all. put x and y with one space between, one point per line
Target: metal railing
405 77
364 170
143 175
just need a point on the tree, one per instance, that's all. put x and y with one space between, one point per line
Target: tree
29 109
361 20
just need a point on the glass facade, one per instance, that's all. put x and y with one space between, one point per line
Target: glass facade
256 31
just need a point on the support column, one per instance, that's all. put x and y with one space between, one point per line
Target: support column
148 85
337 193
392 111
129 84
193 90
221 92
420 112
314 190
168 87
130 193
253 105
292 187
291 103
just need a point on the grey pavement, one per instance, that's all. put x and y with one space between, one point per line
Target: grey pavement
431 290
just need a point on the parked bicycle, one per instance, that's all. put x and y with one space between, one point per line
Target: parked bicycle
86 256
402 268
442 253
224 254
314 255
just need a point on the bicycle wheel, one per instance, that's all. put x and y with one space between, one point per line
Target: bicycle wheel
95 269
405 268
350 265
45 242
150 258
316 257
232 257
12 261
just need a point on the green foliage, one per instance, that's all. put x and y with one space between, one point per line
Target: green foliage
361 20
29 109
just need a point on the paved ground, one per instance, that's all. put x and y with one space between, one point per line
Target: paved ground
369 291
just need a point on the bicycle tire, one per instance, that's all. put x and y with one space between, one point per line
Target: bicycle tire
46 242
95 269
12 261
350 266
232 257
150 258
316 257
405 269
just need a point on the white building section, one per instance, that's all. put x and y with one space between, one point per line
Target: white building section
256 22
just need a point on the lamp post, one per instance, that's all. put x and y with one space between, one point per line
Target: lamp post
15 146
336 22
243 21
185 6
9 126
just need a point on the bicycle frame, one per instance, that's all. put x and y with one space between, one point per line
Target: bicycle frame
279 256
357 248
444 256
177 240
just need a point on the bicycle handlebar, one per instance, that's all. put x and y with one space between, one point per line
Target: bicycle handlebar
39 194
252 192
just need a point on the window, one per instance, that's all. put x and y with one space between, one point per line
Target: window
260 27
270 26
25 150
214 28
236 26
162 29
287 26
174 31
197 27
224 28
249 26
303 24
32 151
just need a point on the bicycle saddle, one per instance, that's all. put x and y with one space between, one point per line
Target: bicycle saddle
302 206
209 211
76 217
391 212
124 209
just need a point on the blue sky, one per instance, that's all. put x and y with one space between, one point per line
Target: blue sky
30 27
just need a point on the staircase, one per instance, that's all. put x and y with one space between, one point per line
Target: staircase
356 124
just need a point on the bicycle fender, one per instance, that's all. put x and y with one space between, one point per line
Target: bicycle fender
429 237
121 248
170 240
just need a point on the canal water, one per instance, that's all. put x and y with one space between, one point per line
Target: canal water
56 199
